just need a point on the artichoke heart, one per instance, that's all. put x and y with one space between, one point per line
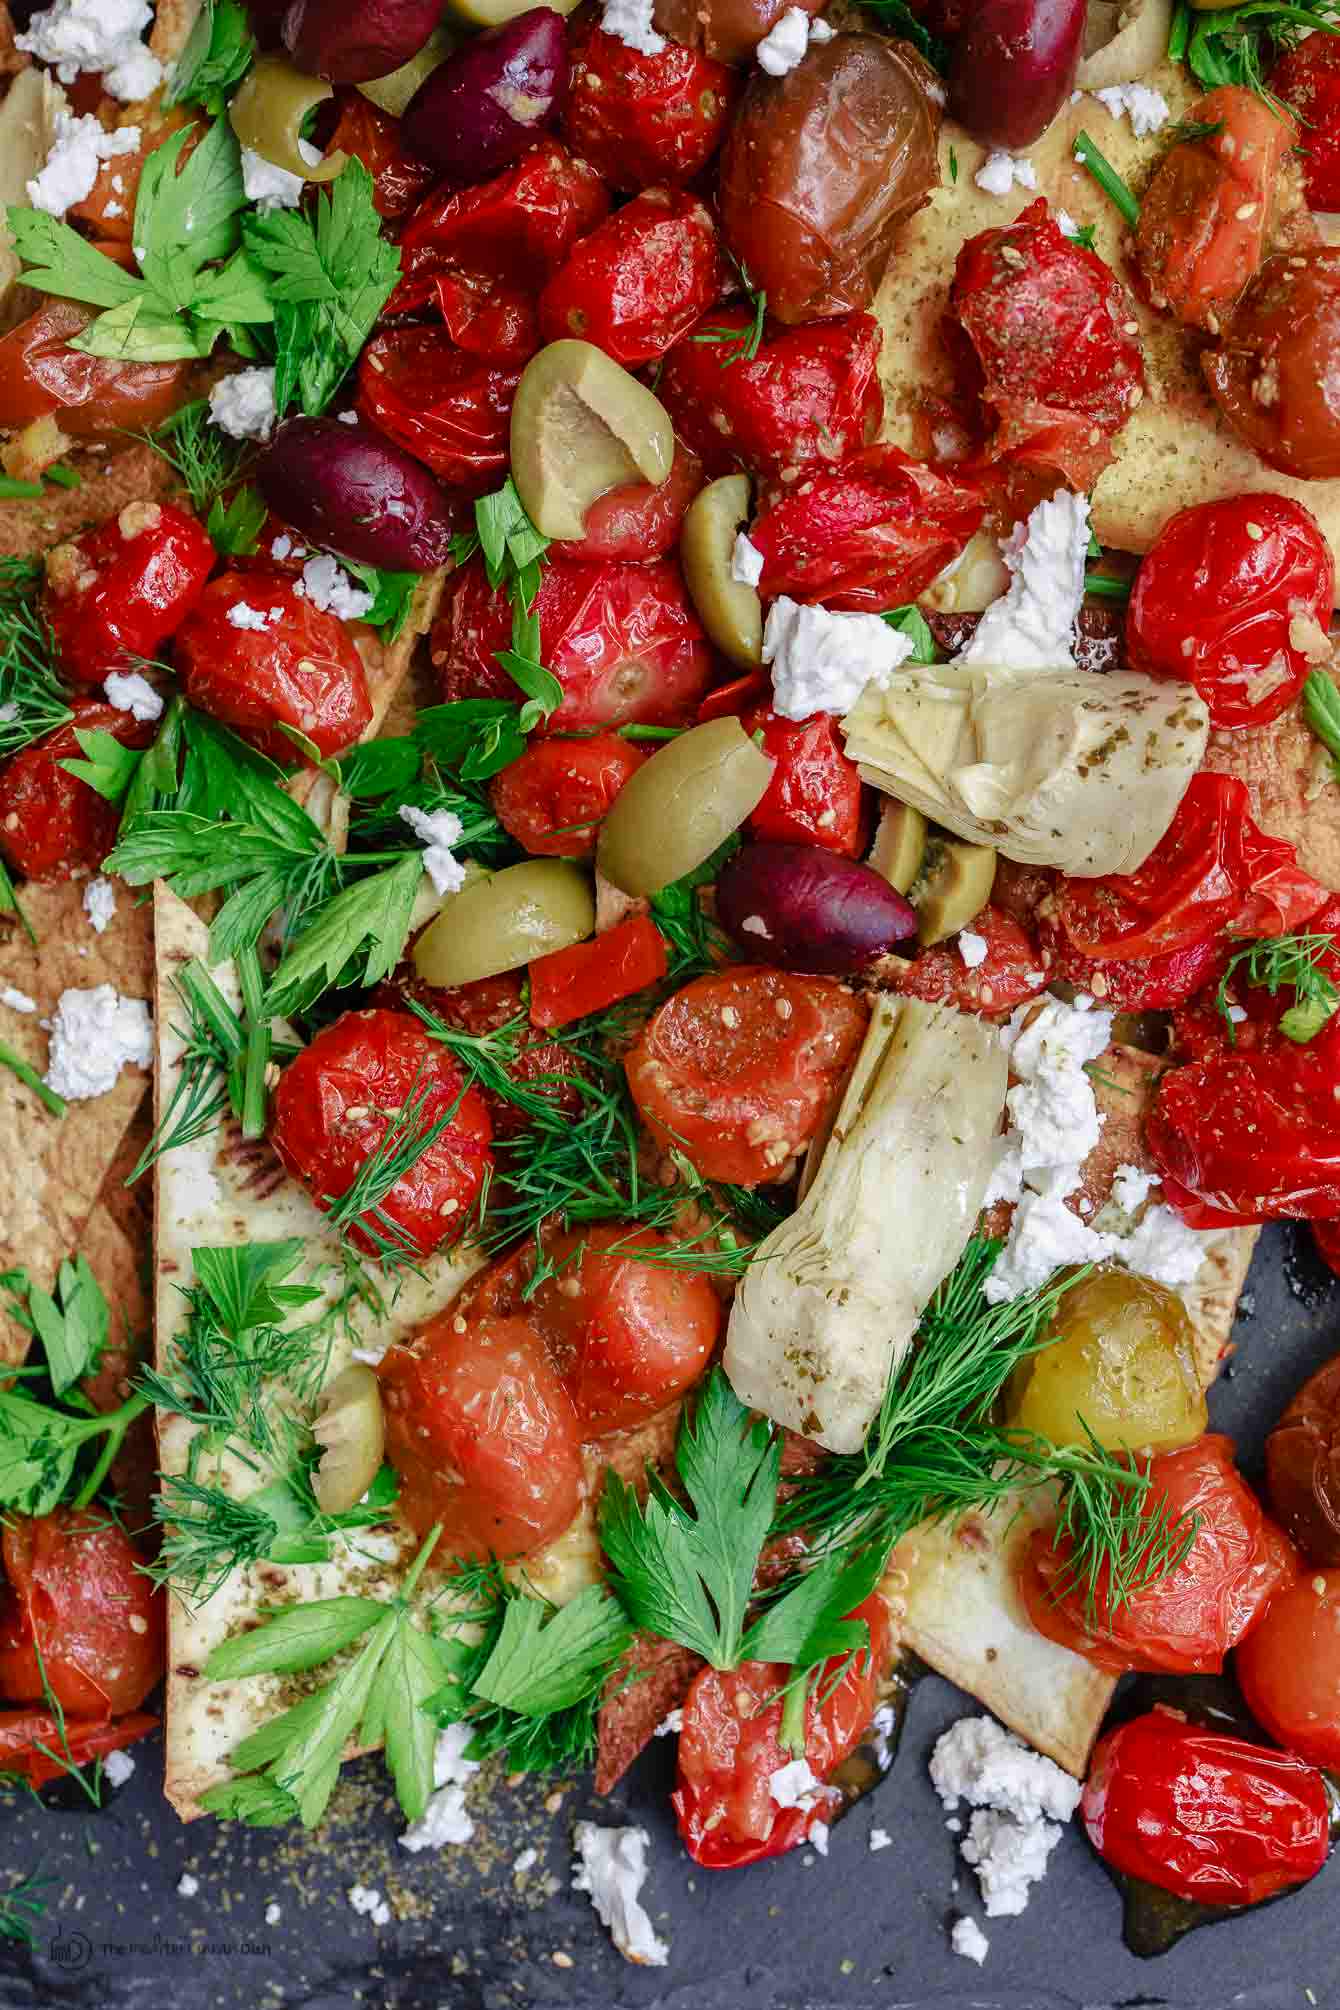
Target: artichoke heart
830 1303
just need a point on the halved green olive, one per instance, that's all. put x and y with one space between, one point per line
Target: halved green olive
506 919
731 612
392 93
268 112
679 806
493 13
351 1430
900 845
954 884
582 426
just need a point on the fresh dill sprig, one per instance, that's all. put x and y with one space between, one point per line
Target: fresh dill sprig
32 701
1277 960
741 344
212 1041
410 1133
205 460
208 1533
697 944
22 1905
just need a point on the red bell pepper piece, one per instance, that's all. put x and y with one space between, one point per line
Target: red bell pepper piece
590 976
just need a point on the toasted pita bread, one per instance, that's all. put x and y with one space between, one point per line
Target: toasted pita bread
1291 785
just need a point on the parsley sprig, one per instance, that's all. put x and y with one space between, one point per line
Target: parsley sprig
1277 961
219 51
1234 45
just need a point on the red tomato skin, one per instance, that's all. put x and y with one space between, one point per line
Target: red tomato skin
121 590
1135 983
741 1095
639 281
1248 1137
640 521
52 825
302 670
1218 599
400 179
591 976
622 640
815 795
643 121
553 797
1214 1819
77 1604
1012 972
1186 1621
1326 1236
92 397
1307 80
483 1436
327 1119
730 1746
1289 1668
483 1007
449 408
24 1732
810 396
869 535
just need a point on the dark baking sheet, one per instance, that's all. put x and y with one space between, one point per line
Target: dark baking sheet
863 1931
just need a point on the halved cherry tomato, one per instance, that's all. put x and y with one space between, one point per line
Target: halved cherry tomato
738 1069
1187 1618
543 1066
1235 597
1212 1818
41 377
815 795
259 656
31 1742
553 797
1252 1136
591 976
451 409
639 281
1011 972
52 825
1303 1459
121 590
1307 80
640 521
642 121
730 1747
1272 372
400 178
336 1103
482 1434
78 1607
1289 1667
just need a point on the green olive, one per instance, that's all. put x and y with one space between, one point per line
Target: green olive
505 919
493 13
900 844
351 1431
392 94
582 426
731 612
680 805
268 112
953 886
1123 1363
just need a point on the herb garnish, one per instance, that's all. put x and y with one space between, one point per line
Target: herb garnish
1295 960
218 54
1109 181
1321 709
912 622
1230 44
204 460
741 344
32 702
44 1436
16 1064
22 1905
898 17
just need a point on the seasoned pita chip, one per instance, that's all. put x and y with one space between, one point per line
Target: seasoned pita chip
1291 784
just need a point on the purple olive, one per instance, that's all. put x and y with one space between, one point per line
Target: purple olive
481 109
805 908
350 41
352 489
1014 65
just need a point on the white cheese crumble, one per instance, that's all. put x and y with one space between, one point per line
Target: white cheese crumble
612 1871
187 1885
670 1725
972 948
94 1035
243 405
77 152
1131 1185
17 1001
439 831
1001 171
787 40
746 564
967 1938
96 35
243 615
368 1902
795 1786
273 1914
99 903
1031 626
526 1861
130 692
1066 223
821 662
328 586
118 1766
274 187
880 1839
1146 108
1018 1796
630 22
446 1818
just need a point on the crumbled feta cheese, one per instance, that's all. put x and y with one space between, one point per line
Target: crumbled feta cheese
96 35
243 615
95 1034
972 948
368 1902
118 1766
1146 108
187 1885
1000 172
9 712
1237 1014
1066 223
1031 626
446 1818
1009 1858
818 1835
99 903
1161 1247
270 186
967 1938
273 1914
1131 1185
612 1871
349 418
17 1001
630 22
746 564
785 43
880 1839
243 405
329 587
1044 1235
794 1785
821 662
882 1735
670 1725
77 152
439 830
130 692
1018 1797
284 547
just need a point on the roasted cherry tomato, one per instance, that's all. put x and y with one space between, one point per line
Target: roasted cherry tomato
730 1750
1250 1136
638 521
78 1609
806 395
591 976
544 1067
622 640
42 377
1303 1463
1134 983
451 409
815 795
639 281
259 656
1307 80
482 1434
1188 1617
1272 372
1206 213
1042 332
1235 597
29 1738
552 799
1288 1668
121 590
52 825
1212 1818
400 178
642 121
336 1103
738 1069
867 536
1011 972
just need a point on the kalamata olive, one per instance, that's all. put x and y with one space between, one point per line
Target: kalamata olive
1303 1466
352 489
806 908
580 427
351 1431
730 611
506 919
727 30
485 105
680 805
351 40
820 168
1014 66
